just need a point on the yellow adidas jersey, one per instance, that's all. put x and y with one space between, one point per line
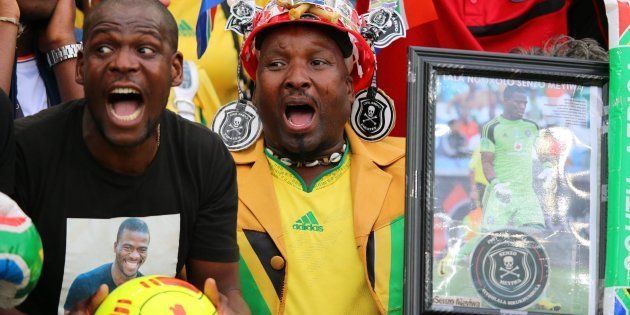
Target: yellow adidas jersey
324 272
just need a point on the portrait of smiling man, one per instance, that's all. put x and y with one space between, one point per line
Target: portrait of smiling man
119 153
131 249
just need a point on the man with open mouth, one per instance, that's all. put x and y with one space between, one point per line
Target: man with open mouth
320 218
119 153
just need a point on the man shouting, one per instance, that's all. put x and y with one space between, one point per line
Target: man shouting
118 153
320 224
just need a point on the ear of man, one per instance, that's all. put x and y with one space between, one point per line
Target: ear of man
177 68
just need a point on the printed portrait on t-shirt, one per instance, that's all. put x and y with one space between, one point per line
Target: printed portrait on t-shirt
113 251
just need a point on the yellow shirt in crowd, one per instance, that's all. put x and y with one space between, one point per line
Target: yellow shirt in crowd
216 68
476 166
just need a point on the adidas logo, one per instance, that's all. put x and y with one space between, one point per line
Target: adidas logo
308 223
184 29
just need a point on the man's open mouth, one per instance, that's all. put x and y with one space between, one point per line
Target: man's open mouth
132 263
125 104
299 116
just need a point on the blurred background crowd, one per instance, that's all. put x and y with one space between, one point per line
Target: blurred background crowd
534 27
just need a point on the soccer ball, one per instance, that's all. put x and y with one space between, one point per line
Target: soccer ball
155 295
21 254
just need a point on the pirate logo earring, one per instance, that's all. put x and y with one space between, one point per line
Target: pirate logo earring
238 123
373 113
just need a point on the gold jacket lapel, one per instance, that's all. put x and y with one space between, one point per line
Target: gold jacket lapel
256 191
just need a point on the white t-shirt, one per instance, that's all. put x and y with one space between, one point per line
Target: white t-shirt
31 91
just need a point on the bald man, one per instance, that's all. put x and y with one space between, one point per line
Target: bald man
119 153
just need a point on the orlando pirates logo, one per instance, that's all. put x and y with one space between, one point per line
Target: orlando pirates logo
389 23
372 118
380 18
238 125
509 269
241 14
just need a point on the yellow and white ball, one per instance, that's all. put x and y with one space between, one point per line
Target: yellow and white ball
155 295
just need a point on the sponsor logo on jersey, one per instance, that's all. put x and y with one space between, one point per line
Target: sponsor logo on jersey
308 222
509 269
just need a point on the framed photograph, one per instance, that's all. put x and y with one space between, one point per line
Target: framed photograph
504 169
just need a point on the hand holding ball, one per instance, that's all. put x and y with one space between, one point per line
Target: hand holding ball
156 295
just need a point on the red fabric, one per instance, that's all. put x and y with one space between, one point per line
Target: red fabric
450 30
362 6
418 12
468 128
624 16
213 12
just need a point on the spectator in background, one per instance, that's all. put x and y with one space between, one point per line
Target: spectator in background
212 84
41 34
466 125
455 144
478 181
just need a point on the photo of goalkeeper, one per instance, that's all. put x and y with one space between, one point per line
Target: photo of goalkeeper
527 170
507 155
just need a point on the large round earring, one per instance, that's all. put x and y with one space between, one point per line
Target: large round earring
373 114
238 125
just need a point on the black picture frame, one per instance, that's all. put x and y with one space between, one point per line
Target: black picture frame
425 64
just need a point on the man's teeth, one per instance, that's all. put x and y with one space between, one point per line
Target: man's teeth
129 117
125 91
